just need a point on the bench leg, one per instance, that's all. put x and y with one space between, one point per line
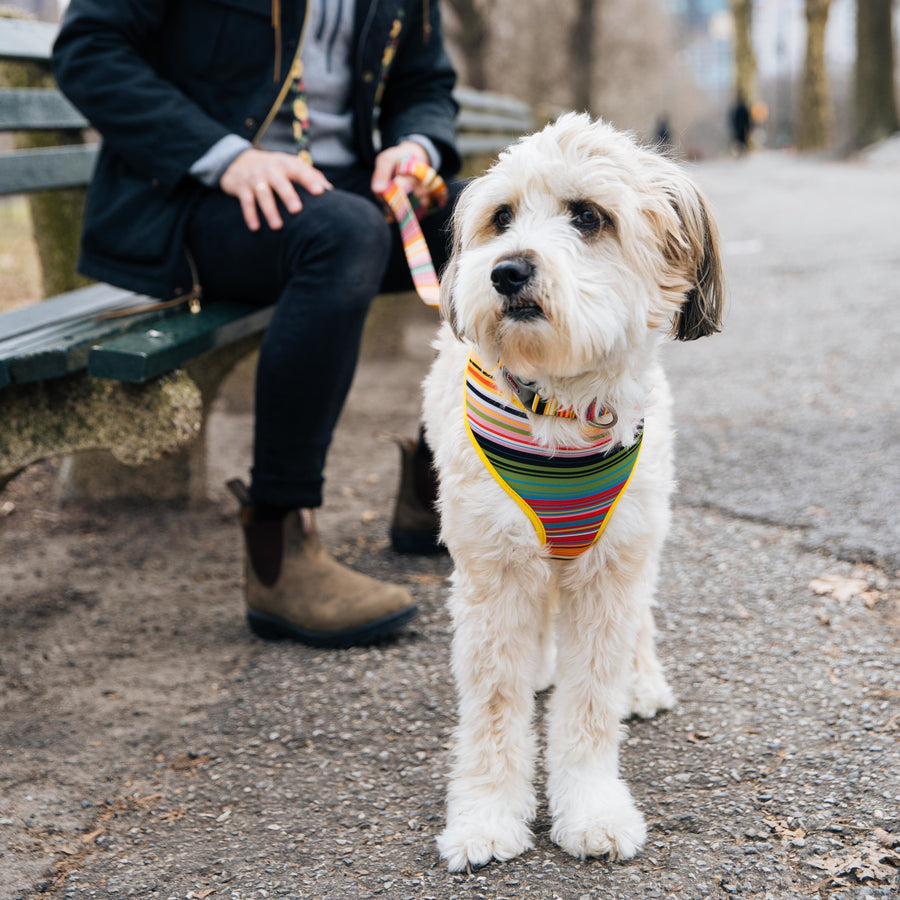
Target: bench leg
141 422
179 478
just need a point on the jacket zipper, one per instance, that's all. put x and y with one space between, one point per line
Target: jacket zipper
279 100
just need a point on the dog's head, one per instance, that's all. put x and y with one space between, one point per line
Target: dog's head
575 247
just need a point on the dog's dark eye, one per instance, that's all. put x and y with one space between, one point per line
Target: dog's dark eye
503 218
588 218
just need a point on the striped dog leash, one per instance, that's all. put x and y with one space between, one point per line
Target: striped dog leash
407 211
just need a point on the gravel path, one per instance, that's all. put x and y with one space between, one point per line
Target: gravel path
150 747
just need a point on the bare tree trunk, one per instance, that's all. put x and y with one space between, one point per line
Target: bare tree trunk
816 114
471 37
744 57
876 98
581 49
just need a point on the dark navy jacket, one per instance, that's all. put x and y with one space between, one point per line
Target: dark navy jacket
164 80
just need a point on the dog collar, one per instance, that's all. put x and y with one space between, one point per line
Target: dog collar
568 493
599 415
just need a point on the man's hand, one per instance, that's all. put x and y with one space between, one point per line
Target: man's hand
384 170
256 177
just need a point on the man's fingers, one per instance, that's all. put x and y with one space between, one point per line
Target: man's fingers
259 179
284 188
309 177
248 209
266 200
384 169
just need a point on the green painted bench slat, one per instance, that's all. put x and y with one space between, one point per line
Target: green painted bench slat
87 301
25 41
471 120
53 338
483 144
485 100
67 349
32 109
138 356
46 169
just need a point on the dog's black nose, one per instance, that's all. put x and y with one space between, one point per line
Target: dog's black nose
510 275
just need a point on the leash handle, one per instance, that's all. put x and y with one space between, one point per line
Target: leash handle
407 211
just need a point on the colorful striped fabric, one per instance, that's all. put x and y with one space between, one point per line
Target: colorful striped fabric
568 495
417 256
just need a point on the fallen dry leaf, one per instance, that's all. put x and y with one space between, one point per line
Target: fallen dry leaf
783 830
425 578
841 588
185 762
885 838
870 598
869 861
892 724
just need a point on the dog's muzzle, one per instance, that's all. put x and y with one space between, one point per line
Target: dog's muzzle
511 278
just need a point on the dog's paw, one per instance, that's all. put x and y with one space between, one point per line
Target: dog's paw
651 695
602 821
473 840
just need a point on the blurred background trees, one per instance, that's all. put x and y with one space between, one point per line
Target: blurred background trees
820 75
875 82
816 119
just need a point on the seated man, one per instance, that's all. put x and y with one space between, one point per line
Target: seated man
238 161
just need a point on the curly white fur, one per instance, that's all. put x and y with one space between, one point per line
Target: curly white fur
605 284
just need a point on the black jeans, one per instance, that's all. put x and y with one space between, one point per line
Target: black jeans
322 270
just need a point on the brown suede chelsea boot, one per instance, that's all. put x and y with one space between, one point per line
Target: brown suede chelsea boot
296 589
415 527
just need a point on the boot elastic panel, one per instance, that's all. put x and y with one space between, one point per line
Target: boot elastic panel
239 489
265 549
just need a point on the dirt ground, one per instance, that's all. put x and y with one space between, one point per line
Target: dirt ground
151 747
122 624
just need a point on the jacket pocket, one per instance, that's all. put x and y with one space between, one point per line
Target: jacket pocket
126 217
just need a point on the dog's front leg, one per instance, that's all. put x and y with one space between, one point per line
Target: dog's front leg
497 621
592 808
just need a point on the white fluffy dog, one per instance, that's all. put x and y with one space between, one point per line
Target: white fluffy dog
572 257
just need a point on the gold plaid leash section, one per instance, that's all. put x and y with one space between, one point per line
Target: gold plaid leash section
407 211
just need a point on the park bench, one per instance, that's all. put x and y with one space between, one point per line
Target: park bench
75 372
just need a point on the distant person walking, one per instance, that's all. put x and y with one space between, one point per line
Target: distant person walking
741 124
663 134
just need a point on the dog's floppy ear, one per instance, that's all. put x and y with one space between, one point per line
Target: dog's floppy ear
701 312
694 253
448 277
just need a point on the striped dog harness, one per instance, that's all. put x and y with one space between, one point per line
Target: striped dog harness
568 493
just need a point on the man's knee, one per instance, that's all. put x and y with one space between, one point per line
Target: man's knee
345 234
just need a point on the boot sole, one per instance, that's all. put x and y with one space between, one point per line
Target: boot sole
271 628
